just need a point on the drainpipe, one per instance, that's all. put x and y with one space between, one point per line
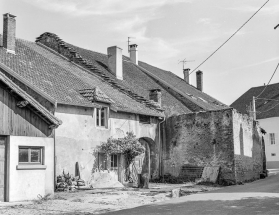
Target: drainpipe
55 107
160 147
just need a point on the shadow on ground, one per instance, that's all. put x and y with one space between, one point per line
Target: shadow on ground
247 206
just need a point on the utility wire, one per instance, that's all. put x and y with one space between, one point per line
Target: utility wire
269 81
268 99
268 109
228 38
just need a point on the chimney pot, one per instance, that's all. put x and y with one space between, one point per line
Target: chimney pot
9 32
199 75
186 75
156 96
134 53
115 61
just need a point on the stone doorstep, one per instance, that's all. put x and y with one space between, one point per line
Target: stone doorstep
10 204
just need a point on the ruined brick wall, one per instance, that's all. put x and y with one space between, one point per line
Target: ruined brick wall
200 139
248 148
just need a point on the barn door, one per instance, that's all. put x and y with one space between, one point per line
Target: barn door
2 167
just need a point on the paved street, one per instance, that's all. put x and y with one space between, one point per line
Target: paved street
259 197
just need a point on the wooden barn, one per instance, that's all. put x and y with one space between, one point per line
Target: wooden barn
26 144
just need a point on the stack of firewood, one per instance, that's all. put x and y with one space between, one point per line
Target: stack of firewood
67 182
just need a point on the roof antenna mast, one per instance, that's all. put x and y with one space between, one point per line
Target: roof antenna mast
129 43
184 62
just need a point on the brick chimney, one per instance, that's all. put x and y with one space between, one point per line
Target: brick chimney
9 31
134 53
199 80
156 96
115 61
186 75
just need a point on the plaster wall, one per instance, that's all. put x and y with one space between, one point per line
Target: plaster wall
200 139
78 136
247 148
271 125
27 184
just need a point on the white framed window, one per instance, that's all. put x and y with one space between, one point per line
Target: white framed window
113 161
30 155
102 117
272 138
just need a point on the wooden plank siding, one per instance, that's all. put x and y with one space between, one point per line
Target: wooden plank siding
20 121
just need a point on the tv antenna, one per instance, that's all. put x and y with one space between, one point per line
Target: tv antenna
129 43
184 62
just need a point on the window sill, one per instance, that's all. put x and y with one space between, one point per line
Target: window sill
25 167
102 128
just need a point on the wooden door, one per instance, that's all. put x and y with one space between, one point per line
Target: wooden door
2 168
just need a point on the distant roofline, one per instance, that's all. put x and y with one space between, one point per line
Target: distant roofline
169 85
264 86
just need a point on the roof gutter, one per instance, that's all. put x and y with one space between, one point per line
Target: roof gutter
18 77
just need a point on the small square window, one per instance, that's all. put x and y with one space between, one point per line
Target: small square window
30 155
144 119
273 154
101 117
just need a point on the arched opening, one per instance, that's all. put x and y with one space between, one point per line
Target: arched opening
147 162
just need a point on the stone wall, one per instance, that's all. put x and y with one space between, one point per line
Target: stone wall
200 139
247 148
222 138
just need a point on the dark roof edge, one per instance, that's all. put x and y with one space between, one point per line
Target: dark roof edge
55 121
15 75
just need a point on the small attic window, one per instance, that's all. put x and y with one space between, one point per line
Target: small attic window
144 119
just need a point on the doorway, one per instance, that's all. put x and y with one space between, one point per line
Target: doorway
2 167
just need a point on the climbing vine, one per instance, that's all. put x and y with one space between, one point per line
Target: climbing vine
129 146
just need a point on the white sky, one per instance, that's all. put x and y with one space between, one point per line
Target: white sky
167 31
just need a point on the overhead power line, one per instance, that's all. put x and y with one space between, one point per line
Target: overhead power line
268 81
268 99
228 38
268 109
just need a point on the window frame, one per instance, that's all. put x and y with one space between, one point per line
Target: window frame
272 138
113 161
41 160
98 119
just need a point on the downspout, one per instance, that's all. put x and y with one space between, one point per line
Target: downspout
54 151
160 148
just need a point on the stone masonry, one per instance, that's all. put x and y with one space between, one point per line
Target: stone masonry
222 138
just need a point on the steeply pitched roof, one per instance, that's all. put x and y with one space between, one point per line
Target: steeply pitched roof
30 102
265 108
63 80
177 96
